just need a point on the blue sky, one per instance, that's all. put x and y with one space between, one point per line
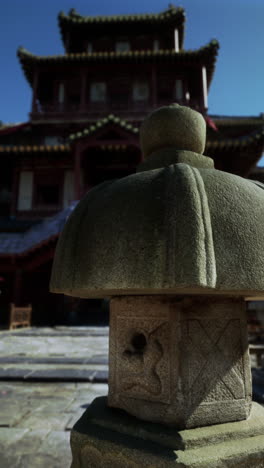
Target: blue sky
238 85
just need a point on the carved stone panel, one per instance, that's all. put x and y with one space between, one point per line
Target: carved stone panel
140 349
144 368
180 361
215 369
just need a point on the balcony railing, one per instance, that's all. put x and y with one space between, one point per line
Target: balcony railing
124 108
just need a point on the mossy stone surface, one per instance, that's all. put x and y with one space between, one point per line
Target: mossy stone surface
177 226
175 230
107 437
173 126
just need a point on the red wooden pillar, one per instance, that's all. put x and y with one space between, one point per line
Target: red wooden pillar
154 85
137 147
77 172
62 96
34 106
83 92
204 89
15 188
17 287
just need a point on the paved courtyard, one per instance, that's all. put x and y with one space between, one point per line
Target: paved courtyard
47 379
35 421
48 354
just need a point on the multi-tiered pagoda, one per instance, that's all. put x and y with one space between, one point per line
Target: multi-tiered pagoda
87 106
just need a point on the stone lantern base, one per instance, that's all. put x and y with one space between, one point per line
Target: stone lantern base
181 361
110 438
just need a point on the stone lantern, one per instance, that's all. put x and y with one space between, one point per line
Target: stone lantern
176 246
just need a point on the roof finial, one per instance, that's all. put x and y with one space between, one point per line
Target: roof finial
72 12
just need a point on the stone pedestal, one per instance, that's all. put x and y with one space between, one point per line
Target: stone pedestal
186 357
110 438
178 359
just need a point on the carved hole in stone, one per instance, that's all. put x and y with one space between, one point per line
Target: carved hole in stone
137 345
139 342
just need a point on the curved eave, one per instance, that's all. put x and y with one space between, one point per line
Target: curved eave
176 13
13 128
38 237
110 119
16 149
205 56
31 250
247 142
74 21
227 121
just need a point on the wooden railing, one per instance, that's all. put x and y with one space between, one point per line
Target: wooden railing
127 108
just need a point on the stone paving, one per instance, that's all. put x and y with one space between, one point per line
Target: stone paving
35 421
62 354
48 377
42 394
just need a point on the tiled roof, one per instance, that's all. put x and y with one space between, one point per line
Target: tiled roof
37 236
75 25
6 129
176 13
235 143
206 56
101 123
34 148
248 140
238 120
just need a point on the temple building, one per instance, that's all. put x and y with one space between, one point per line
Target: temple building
87 106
